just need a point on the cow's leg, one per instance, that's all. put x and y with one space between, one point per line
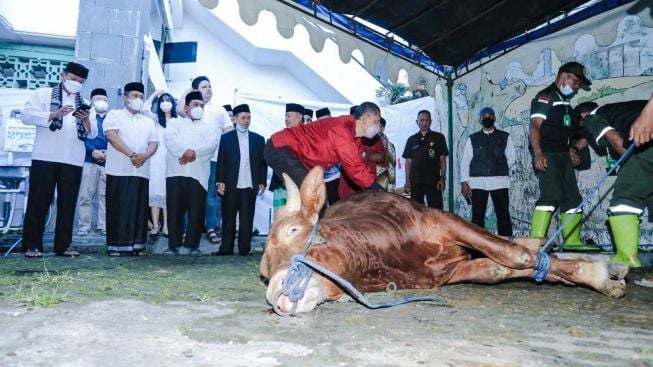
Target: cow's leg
605 278
496 248
488 271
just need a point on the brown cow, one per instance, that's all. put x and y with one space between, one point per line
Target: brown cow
374 238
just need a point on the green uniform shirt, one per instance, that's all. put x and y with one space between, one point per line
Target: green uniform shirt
550 105
614 116
632 187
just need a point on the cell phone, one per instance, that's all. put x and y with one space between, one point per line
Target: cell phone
83 107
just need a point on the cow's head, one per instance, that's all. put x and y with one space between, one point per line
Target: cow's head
291 228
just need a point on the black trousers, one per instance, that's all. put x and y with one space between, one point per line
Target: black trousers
501 201
430 191
127 209
185 195
282 160
239 202
44 178
332 191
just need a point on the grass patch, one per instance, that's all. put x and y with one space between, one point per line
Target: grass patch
154 279
36 296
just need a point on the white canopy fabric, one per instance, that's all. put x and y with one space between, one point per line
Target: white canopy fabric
287 18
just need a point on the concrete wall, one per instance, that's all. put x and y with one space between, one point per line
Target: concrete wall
110 43
229 70
620 70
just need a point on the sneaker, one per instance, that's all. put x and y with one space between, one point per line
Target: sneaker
82 232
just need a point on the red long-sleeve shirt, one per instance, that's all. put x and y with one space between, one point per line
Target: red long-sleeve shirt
345 188
326 143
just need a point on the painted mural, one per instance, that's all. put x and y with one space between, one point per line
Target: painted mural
620 71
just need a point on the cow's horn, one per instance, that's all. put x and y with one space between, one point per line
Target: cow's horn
293 200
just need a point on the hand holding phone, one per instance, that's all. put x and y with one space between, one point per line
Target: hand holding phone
83 111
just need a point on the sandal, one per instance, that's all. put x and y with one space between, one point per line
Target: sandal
140 253
33 254
213 236
116 254
69 252
195 252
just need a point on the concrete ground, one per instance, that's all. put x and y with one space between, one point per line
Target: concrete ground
211 311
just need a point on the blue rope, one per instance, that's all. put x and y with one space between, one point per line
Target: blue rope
542 266
543 262
300 272
358 296
587 197
296 281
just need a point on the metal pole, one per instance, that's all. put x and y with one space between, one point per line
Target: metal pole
450 137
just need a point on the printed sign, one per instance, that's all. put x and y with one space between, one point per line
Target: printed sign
18 136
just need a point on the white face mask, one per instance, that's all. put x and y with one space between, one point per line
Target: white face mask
372 130
135 103
566 90
101 106
241 129
72 86
166 106
196 113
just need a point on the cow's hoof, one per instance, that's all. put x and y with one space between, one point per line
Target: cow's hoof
614 288
617 271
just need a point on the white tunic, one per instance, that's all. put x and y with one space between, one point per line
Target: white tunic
137 131
244 170
158 165
183 134
218 117
61 146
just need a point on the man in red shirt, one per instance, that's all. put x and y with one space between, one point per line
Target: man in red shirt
325 143
373 153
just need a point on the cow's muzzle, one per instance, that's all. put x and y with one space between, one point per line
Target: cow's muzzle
278 310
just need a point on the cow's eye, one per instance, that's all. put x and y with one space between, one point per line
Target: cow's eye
291 230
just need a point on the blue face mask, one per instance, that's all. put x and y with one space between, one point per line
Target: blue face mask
241 129
566 90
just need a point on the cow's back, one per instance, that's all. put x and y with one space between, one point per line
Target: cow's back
374 238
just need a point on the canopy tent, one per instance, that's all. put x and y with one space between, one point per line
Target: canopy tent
426 38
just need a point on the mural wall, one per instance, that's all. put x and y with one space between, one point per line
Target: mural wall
617 50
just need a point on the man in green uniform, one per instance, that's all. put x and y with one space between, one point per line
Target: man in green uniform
609 126
555 158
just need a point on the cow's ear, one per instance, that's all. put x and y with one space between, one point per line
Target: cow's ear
313 194
293 200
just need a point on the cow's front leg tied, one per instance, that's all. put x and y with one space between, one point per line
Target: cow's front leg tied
542 266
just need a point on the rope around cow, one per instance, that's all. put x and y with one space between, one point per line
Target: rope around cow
299 275
543 263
